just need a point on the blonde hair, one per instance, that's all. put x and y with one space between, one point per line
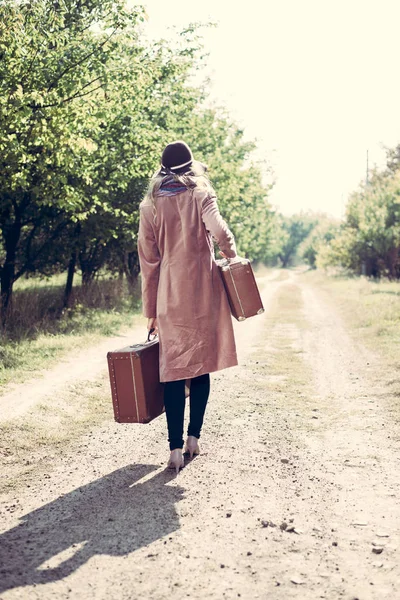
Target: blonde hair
189 180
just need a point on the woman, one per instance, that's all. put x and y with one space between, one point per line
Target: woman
182 291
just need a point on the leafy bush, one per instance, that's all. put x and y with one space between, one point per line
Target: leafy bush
368 242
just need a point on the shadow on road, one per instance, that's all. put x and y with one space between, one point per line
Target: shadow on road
113 515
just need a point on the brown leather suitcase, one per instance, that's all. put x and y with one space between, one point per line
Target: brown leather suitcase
137 394
241 288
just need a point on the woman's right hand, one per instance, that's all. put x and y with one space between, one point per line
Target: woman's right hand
152 324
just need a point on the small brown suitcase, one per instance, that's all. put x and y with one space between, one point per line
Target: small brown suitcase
241 288
137 394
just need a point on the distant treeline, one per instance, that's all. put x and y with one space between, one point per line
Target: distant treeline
86 106
367 241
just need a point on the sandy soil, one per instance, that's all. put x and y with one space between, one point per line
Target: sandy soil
295 494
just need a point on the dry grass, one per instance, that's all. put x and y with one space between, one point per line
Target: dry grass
41 331
38 306
281 374
371 310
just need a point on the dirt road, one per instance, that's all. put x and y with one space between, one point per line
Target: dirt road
295 495
84 365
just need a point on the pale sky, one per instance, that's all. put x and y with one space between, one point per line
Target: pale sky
315 81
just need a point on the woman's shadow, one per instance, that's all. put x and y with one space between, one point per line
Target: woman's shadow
114 515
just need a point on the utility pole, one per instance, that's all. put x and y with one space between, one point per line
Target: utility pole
367 173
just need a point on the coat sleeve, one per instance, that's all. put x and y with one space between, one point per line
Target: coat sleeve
149 258
215 224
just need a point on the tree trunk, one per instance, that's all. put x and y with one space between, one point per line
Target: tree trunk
88 275
91 259
372 267
132 269
285 262
7 282
11 238
70 279
393 263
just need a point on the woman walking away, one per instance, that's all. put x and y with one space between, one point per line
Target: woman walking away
182 291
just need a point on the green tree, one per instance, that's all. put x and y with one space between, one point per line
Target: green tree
243 197
86 108
369 239
294 230
82 114
323 232
53 74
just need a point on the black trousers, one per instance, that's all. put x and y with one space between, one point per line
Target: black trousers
174 401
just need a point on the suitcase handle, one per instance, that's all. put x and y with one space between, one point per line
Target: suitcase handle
151 331
147 341
226 262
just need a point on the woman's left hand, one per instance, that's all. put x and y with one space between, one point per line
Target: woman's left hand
152 324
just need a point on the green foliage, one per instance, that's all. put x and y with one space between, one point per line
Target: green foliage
86 107
293 231
319 237
54 68
243 197
369 240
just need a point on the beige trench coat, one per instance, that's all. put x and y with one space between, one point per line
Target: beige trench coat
181 284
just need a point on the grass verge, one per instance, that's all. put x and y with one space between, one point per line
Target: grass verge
42 331
282 375
370 309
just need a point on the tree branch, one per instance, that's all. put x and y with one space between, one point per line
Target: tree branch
51 86
29 242
31 260
28 70
84 28
76 95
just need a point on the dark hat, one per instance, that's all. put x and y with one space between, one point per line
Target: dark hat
178 159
